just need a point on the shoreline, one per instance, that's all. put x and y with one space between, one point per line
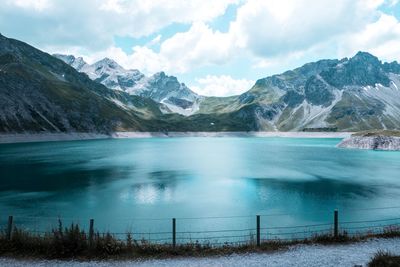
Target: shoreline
52 137
48 137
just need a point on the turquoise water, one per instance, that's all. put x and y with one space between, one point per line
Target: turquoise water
140 184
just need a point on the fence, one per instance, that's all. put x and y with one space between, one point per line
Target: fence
258 232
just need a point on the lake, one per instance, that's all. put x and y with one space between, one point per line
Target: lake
138 185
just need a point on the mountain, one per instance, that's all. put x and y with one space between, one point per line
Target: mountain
77 63
169 91
40 93
176 97
351 94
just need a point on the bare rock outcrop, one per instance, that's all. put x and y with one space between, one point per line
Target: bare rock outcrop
382 140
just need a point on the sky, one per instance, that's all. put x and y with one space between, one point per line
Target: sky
216 47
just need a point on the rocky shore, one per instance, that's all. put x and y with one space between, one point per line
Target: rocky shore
46 137
380 140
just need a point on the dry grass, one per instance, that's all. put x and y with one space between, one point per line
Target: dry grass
384 259
72 243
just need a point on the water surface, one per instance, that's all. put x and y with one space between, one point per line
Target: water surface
140 184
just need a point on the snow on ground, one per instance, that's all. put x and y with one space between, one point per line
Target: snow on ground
299 255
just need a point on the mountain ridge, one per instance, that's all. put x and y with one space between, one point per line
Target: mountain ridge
350 94
40 92
167 90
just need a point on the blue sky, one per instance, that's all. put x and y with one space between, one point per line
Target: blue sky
216 47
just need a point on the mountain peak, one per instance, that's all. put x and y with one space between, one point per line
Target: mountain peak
160 74
75 62
108 62
365 56
66 57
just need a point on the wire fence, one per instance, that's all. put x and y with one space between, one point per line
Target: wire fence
258 228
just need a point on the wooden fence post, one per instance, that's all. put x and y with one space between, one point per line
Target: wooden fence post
91 232
173 232
258 231
9 227
335 223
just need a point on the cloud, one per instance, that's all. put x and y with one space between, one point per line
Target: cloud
37 5
272 35
92 24
270 31
276 27
169 10
265 31
199 46
381 38
142 58
223 85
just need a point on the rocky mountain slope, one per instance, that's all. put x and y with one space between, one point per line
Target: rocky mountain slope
353 94
176 97
40 93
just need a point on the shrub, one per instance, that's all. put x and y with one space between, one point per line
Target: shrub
384 259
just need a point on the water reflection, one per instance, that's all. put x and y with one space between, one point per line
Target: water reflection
160 187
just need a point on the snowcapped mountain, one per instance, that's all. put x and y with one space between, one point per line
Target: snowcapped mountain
76 62
112 75
176 97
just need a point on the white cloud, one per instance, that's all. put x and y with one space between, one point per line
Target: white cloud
277 27
147 60
142 58
270 30
223 85
381 38
267 33
266 29
173 10
92 24
37 5
199 46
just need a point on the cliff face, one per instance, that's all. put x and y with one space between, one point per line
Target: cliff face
372 142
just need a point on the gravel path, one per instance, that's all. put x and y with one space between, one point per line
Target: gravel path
300 255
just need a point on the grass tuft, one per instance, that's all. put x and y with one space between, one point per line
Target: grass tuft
384 259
